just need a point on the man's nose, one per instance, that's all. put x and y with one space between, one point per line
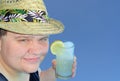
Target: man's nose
35 48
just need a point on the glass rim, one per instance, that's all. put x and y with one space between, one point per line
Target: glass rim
72 46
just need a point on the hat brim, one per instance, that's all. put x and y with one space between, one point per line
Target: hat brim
52 26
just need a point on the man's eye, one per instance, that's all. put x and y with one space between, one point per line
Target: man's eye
23 40
44 39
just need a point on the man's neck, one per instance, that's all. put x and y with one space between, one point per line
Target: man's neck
11 74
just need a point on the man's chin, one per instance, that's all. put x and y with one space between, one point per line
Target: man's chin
31 70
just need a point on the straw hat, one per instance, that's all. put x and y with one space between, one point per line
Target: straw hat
27 17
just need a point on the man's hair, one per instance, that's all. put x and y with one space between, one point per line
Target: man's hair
2 32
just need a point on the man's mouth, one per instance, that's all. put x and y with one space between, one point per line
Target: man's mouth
32 60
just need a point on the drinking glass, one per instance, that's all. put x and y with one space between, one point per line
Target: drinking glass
64 62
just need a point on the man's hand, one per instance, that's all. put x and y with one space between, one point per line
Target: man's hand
49 75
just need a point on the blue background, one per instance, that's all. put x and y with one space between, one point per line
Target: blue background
94 27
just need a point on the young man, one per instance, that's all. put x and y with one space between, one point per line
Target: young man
24 40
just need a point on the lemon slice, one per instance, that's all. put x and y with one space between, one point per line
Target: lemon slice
56 47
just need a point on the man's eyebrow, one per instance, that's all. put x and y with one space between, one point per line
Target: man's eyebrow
17 37
31 37
44 37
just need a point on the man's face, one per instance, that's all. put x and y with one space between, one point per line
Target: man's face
23 53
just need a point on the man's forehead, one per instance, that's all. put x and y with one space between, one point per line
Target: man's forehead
25 35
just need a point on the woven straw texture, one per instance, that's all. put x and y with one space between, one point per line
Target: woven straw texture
52 26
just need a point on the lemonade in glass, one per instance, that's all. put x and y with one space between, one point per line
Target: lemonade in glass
64 52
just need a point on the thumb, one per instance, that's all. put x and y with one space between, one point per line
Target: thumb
54 63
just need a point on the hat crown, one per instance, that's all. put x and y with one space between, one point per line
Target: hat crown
23 4
27 17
